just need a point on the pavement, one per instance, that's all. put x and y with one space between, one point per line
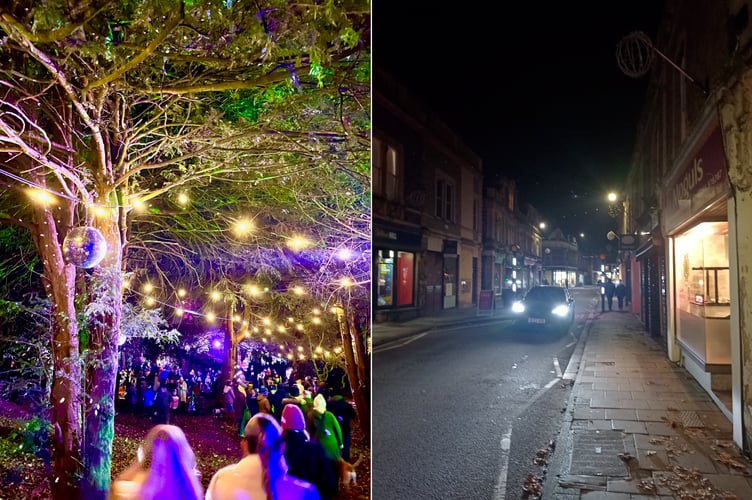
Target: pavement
637 425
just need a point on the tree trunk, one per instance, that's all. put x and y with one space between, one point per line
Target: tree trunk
362 362
66 389
99 406
358 386
59 279
230 349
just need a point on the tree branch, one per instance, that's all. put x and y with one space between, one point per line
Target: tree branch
57 33
174 23
222 86
72 95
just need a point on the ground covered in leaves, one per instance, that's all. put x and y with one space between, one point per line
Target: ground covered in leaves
23 474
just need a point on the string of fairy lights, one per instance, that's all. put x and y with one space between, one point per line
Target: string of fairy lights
265 332
243 226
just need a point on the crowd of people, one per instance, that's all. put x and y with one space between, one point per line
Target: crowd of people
158 390
294 437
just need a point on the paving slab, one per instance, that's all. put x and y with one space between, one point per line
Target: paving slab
641 486
653 459
597 453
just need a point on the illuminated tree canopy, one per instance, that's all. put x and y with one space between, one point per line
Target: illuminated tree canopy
167 126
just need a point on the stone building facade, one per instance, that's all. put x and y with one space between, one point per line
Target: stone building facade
427 202
689 200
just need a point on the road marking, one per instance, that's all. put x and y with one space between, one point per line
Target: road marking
401 344
557 367
500 489
574 341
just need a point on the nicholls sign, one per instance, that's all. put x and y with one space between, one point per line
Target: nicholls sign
699 181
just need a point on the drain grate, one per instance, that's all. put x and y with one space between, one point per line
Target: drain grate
691 419
597 453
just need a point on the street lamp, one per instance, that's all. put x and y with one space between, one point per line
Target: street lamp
614 207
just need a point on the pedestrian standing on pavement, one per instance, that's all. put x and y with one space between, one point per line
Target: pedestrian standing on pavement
609 288
620 291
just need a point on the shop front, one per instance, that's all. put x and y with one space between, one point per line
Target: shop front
559 276
394 269
648 275
696 220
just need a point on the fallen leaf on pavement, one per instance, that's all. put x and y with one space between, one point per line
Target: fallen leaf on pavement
647 485
730 461
532 487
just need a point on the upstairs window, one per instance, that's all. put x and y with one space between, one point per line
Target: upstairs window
445 194
385 170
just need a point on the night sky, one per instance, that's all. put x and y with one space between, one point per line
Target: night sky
533 88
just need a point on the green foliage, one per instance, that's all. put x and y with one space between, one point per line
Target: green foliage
242 104
33 437
9 310
83 333
350 37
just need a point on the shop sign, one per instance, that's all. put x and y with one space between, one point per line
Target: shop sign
628 242
397 239
699 181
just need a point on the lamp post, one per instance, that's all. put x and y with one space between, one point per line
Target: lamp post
615 208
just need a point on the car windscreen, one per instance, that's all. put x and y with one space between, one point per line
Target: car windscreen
546 294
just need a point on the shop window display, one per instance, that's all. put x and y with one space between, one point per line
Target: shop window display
395 278
703 291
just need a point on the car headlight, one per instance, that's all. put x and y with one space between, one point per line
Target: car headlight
518 307
561 310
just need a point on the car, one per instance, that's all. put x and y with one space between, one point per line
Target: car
544 306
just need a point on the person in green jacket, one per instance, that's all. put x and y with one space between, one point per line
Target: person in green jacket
326 430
